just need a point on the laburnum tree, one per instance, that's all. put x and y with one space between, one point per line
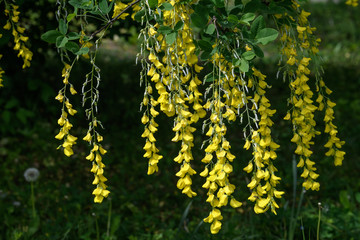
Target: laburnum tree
198 61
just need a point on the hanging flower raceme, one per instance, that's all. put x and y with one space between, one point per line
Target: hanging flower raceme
218 158
148 120
178 61
12 13
263 182
90 99
150 76
333 144
174 77
63 121
302 117
298 50
95 156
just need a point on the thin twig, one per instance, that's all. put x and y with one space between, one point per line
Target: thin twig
114 19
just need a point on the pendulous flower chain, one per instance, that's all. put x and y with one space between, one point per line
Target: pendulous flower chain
175 57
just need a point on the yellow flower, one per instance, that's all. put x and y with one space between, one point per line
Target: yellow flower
99 137
68 151
7 26
152 31
234 203
72 90
60 135
87 137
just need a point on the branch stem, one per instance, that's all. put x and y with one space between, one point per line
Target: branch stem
113 19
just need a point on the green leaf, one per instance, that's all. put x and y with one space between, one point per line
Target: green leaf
63 26
178 25
199 21
166 6
219 3
276 9
153 3
247 17
254 6
210 29
236 62
344 200
170 38
233 19
248 55
244 65
258 51
209 77
257 25
61 41
72 46
70 17
205 56
73 36
205 45
82 4
50 36
139 15
82 51
266 35
104 7
165 29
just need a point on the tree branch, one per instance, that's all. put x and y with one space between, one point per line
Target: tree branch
113 19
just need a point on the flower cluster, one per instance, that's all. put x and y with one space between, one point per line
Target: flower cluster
218 157
11 11
302 117
95 156
333 144
148 120
299 50
63 121
179 74
175 78
353 3
263 182
90 99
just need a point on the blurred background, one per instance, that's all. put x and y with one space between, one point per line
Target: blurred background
151 207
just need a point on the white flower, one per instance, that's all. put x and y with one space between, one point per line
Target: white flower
31 174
